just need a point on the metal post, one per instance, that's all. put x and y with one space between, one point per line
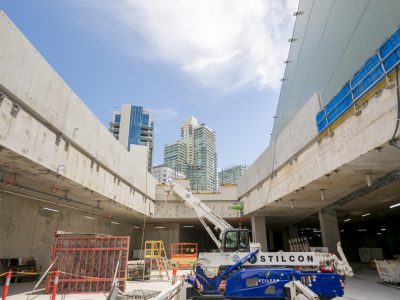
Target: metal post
41 278
383 67
352 96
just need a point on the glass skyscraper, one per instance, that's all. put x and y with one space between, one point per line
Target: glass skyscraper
231 174
175 157
204 176
133 125
195 155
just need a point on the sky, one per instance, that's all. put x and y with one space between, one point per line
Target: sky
218 60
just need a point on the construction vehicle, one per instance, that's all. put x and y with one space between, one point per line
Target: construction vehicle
239 270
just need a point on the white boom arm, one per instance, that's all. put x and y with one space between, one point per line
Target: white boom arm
202 212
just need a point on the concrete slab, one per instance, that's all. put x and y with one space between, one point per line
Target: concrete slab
365 285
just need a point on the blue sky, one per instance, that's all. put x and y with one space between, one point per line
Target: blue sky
220 61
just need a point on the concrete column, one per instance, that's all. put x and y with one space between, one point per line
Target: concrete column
329 229
259 230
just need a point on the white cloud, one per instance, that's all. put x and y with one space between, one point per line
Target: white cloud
164 115
223 44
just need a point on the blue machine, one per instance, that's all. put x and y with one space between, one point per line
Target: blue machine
256 283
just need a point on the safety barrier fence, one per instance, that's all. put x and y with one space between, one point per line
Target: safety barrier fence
378 69
87 263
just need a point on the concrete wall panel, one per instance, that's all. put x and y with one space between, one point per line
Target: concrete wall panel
358 135
27 137
40 90
27 230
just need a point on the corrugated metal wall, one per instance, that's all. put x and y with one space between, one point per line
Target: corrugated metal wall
334 38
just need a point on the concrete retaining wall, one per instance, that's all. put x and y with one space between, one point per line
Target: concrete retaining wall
27 77
354 138
26 230
34 141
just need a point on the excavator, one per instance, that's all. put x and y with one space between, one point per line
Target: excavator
239 270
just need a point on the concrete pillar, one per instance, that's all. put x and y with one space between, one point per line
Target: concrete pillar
329 229
259 230
293 232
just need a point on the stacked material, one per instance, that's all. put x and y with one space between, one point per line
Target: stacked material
300 244
389 270
136 269
87 262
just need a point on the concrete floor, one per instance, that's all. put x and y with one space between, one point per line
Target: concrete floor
366 285
363 286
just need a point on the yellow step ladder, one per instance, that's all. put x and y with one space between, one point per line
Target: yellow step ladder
154 253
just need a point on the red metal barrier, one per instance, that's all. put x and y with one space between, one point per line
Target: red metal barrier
87 263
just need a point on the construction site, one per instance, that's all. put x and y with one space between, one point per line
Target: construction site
315 216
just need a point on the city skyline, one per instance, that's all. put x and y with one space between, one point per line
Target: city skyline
172 87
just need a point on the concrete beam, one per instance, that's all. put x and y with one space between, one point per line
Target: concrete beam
171 206
375 185
34 146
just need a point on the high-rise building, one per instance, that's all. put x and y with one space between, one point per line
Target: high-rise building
195 155
165 174
231 174
187 134
205 160
175 157
133 125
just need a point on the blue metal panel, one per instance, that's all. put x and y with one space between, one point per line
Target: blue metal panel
376 69
365 70
368 82
321 120
270 283
390 44
338 98
334 38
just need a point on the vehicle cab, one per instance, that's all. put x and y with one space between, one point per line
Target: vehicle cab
236 240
